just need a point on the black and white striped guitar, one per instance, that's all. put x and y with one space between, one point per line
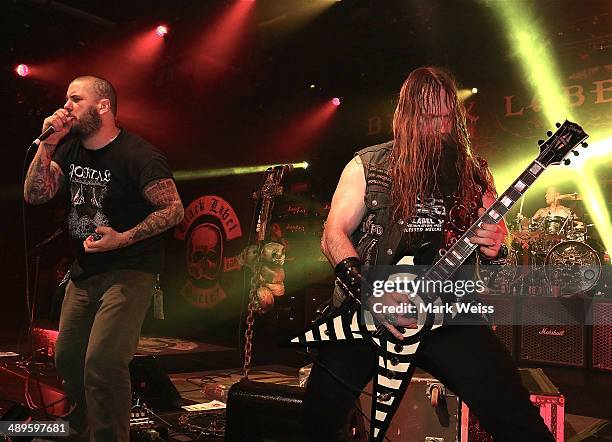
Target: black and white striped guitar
395 356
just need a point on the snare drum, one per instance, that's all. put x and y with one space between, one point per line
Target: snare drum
554 224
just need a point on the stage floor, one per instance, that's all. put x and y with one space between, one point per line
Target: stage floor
195 367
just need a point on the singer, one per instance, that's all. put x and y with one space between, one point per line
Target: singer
122 197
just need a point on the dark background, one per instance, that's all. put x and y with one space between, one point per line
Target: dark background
246 99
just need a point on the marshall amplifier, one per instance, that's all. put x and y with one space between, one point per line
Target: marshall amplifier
602 336
552 331
504 319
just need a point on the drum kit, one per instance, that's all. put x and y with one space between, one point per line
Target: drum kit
552 255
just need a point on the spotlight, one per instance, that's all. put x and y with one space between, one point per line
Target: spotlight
474 90
22 70
161 30
336 101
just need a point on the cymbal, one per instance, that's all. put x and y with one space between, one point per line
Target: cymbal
570 196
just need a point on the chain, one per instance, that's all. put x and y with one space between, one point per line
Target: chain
250 321
270 189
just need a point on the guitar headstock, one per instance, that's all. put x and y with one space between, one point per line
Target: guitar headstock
559 144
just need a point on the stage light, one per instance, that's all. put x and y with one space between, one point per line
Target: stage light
474 90
540 69
312 86
22 70
185 175
336 101
161 30
531 46
464 94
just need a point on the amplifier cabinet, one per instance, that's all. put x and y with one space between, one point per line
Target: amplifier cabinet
552 331
602 336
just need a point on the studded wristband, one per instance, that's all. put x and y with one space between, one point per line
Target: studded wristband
348 271
498 260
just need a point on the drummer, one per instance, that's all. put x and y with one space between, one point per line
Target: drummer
554 208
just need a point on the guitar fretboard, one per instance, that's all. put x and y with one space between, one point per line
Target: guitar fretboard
456 255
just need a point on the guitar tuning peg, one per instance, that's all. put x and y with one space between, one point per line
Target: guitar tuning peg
566 162
558 124
540 142
576 153
584 144
549 133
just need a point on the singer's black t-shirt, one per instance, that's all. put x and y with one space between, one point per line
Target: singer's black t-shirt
105 188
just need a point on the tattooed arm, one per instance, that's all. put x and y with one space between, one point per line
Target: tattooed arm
44 176
163 196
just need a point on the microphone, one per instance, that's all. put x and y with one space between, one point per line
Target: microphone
43 136
46 134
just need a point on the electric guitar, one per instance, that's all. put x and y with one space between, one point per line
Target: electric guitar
395 357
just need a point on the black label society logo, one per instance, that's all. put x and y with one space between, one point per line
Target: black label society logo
209 223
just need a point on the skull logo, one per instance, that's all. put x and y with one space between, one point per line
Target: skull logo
205 252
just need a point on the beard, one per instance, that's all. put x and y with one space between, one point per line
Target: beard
88 124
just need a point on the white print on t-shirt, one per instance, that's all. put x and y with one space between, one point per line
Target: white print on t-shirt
88 187
88 173
429 216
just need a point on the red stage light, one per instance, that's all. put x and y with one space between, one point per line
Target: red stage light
22 70
336 101
161 30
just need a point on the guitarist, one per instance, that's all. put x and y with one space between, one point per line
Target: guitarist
414 196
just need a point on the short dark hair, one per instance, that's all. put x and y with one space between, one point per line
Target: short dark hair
103 89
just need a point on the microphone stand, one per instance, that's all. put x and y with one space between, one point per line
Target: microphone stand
271 189
36 252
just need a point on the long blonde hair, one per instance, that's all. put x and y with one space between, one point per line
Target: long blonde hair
417 148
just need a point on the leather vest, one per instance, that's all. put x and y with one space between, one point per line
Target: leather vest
377 239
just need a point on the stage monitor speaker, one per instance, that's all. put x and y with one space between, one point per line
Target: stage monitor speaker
602 336
152 385
504 319
261 412
562 342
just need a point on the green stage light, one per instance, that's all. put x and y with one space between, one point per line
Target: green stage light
538 65
540 69
186 175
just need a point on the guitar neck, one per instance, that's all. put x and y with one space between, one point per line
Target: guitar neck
459 252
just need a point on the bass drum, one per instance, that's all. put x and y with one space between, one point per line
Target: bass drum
573 266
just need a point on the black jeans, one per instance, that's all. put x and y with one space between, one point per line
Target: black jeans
468 359
100 326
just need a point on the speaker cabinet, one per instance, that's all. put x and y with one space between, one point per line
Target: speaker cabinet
504 319
552 331
151 384
602 336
